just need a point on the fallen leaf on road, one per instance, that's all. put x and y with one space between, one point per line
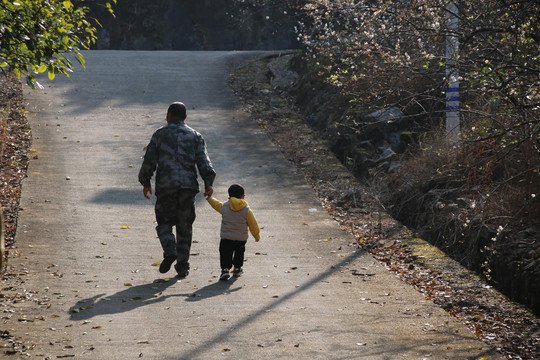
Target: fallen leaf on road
124 227
128 284
156 263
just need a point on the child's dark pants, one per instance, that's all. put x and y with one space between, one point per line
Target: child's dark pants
231 252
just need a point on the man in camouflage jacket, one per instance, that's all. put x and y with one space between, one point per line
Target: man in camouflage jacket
177 152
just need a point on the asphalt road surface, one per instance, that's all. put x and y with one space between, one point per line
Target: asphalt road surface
87 247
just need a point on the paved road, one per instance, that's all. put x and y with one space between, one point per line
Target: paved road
86 237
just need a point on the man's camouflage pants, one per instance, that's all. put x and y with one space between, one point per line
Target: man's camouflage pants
176 208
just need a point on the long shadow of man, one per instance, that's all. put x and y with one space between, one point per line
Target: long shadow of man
142 295
126 300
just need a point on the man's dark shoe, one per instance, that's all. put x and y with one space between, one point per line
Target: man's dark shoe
182 271
166 263
183 274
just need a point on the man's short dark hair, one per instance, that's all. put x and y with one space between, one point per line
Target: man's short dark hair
236 191
177 110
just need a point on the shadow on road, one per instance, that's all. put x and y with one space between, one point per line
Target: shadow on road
246 321
120 197
135 297
142 295
128 197
126 300
214 289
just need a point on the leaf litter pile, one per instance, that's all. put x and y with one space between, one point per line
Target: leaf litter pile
262 87
505 325
15 140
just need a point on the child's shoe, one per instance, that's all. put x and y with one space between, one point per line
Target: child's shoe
224 275
237 271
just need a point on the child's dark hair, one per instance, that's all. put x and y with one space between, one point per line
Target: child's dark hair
236 191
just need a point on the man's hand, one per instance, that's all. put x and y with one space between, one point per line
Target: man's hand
208 192
147 191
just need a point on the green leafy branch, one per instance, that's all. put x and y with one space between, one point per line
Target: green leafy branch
38 36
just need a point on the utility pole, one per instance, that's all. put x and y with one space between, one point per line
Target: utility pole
452 71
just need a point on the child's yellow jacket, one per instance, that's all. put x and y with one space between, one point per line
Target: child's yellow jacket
236 219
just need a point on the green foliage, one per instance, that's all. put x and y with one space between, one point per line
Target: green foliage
38 36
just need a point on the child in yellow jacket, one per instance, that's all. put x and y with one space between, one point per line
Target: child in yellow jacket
236 219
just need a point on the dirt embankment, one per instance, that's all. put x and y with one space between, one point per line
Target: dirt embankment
487 221
265 89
